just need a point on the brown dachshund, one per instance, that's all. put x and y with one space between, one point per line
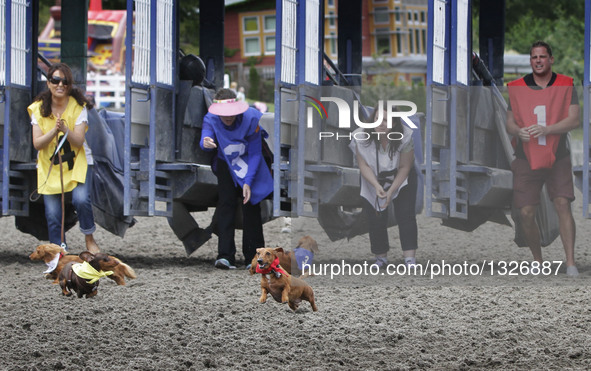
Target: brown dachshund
83 278
281 285
293 261
50 252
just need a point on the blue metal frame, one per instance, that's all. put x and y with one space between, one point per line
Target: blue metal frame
153 86
152 130
454 104
429 168
128 103
452 194
300 83
586 95
9 86
7 100
302 107
277 118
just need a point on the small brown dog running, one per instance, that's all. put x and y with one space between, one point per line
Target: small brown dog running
50 254
83 278
295 262
281 285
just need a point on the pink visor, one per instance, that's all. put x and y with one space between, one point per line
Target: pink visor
228 107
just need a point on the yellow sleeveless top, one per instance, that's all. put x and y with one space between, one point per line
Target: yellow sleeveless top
72 176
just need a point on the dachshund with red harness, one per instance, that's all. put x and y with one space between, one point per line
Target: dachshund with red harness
276 281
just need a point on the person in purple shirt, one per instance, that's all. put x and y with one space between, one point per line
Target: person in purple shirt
232 128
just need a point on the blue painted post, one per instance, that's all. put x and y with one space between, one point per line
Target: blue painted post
153 107
460 75
277 118
7 100
128 103
438 77
586 95
300 81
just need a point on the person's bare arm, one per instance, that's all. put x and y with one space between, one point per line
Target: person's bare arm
515 130
41 140
563 126
369 175
405 164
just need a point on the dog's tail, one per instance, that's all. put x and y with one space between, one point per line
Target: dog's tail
127 270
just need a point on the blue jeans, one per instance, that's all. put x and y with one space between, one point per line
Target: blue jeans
82 204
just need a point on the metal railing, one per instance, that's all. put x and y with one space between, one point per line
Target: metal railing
107 90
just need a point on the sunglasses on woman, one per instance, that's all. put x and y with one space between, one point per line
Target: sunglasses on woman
55 80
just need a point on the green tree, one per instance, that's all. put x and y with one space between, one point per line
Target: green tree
565 32
254 80
382 87
189 26
560 23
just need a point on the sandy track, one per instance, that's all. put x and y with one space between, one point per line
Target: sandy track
181 313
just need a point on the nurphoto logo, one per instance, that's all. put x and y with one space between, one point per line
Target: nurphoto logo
344 117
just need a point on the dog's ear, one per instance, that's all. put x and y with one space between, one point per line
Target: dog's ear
47 252
279 249
86 256
313 245
308 243
51 249
253 266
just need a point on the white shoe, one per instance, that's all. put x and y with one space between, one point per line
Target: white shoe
286 225
572 271
410 262
380 262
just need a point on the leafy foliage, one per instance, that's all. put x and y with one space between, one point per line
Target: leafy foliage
560 23
254 82
189 26
383 87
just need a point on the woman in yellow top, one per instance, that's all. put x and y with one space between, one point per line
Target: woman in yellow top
59 118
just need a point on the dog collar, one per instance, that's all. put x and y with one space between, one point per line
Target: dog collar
274 267
53 263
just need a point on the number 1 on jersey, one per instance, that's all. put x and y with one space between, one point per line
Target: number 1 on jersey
540 112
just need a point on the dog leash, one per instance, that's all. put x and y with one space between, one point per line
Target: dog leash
34 196
59 145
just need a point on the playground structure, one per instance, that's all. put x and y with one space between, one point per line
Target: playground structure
160 169
106 39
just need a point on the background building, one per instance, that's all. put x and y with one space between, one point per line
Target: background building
394 38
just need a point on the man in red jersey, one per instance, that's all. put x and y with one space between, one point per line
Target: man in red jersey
543 108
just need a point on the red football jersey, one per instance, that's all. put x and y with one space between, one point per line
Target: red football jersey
541 107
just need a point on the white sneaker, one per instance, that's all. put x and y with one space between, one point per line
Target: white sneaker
286 225
380 262
410 262
572 271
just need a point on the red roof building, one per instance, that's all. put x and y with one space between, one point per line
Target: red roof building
394 32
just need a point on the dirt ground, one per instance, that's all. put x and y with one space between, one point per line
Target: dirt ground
182 314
